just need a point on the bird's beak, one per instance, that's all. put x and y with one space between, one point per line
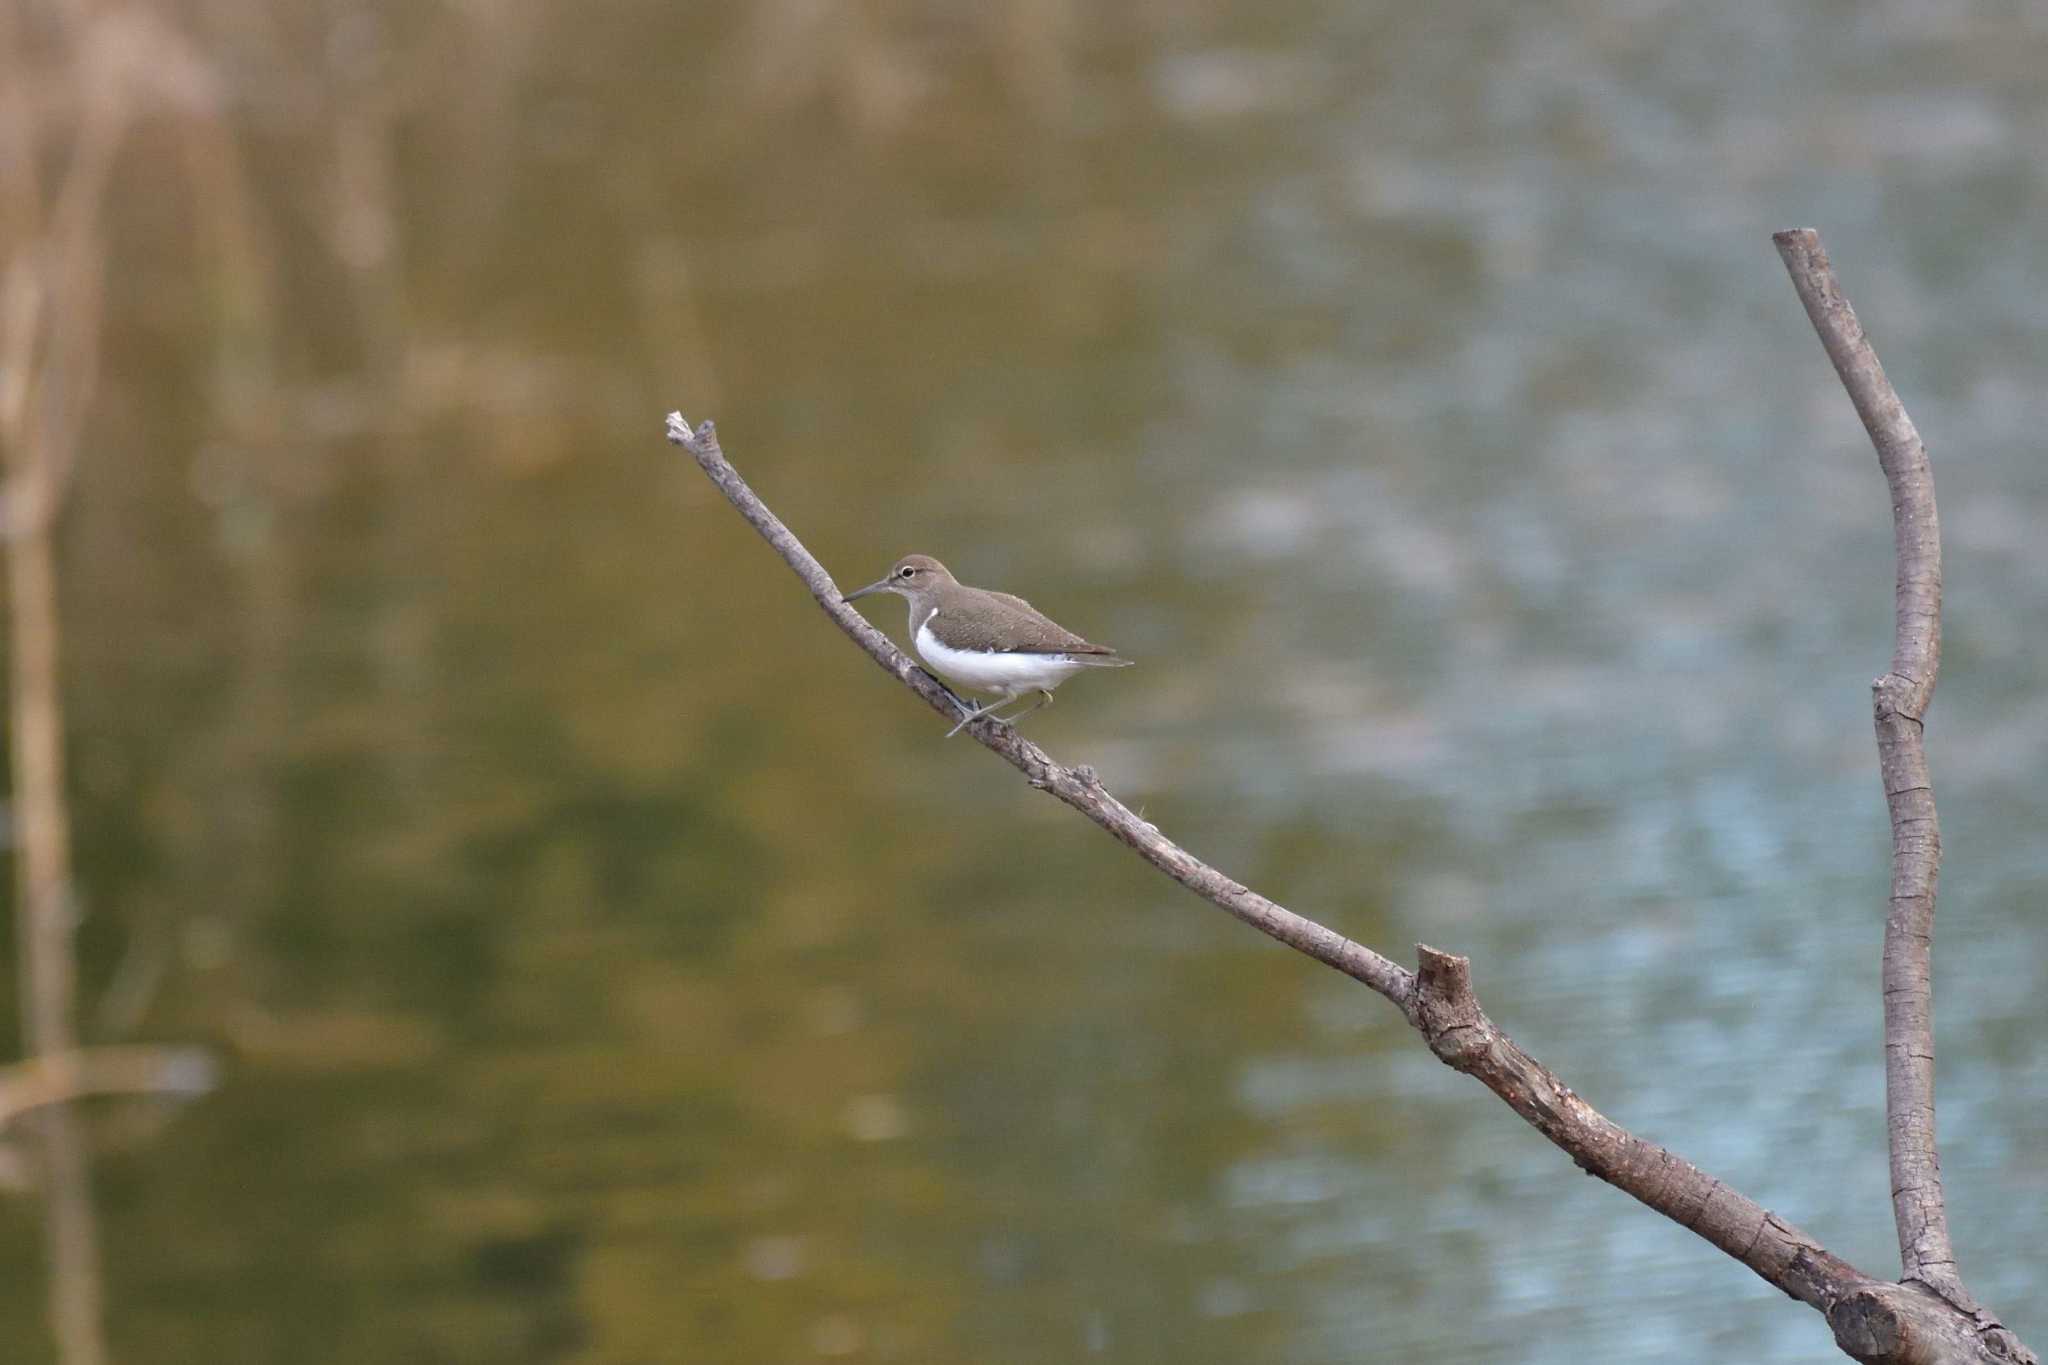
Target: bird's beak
879 585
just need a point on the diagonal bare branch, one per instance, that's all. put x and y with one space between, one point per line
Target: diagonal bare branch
1438 1001
1078 787
1900 701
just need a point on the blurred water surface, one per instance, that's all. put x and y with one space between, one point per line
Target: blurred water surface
611 966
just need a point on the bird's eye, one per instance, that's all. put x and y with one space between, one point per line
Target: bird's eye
908 571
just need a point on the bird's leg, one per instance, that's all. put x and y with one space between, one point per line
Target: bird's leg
977 713
945 687
1000 702
1044 699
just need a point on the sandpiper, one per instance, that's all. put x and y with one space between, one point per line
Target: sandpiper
988 641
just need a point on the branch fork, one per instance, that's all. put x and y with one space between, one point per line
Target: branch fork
1925 1317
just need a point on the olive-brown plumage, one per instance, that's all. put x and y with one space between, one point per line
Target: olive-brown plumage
989 641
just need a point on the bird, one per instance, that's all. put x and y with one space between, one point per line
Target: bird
987 641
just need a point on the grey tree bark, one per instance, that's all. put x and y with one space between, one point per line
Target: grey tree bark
1924 1318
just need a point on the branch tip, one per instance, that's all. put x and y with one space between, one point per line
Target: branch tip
681 433
1441 973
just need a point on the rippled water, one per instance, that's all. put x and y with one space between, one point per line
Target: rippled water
610 966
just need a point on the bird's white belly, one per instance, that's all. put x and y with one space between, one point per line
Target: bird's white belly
992 672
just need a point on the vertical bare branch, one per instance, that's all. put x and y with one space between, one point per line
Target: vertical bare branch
43 896
1900 700
52 262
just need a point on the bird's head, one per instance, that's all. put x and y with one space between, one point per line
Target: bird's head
907 577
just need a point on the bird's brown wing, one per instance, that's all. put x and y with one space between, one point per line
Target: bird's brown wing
1012 624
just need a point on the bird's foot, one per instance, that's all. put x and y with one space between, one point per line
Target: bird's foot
975 714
